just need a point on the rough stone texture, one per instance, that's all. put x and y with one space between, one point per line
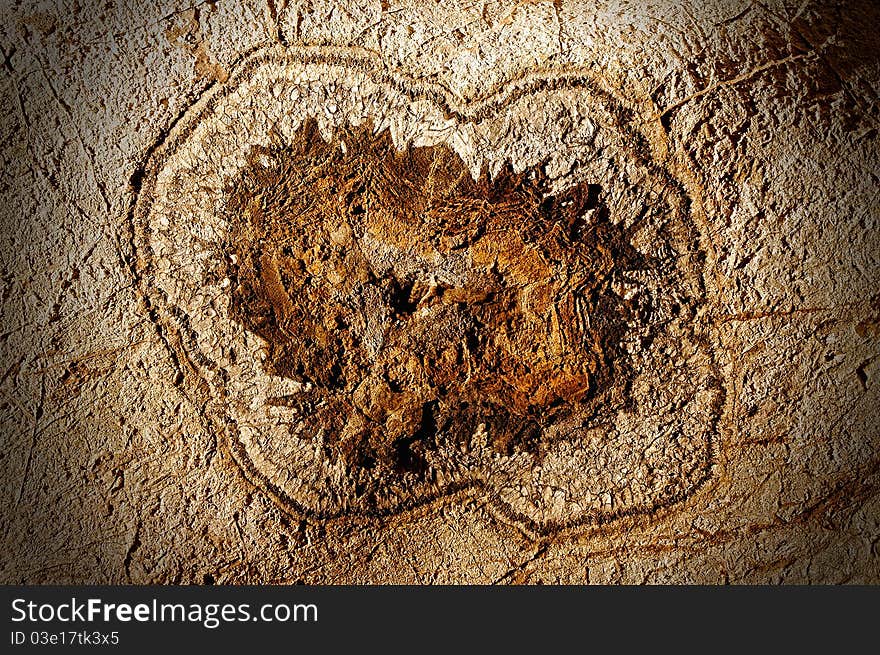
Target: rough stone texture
762 116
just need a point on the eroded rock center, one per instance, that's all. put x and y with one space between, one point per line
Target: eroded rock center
419 305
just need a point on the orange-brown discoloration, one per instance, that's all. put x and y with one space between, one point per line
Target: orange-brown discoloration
422 304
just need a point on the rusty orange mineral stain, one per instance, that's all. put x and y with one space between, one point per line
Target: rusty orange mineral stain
421 304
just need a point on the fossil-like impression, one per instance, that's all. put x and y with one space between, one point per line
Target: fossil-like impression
420 304
380 312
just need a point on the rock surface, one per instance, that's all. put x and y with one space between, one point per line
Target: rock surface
722 158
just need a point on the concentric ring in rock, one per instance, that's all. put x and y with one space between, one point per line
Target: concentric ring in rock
388 297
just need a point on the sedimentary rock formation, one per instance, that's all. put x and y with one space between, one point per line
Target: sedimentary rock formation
533 293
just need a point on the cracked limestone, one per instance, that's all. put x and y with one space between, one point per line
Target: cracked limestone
743 136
